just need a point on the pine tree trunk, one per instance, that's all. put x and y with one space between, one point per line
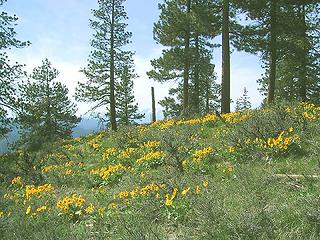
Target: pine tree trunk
225 84
303 71
112 78
153 105
127 114
48 113
196 78
186 65
207 98
273 52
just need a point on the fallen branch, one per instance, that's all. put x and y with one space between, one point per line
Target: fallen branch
295 176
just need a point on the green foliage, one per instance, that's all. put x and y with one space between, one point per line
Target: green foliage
45 112
178 144
172 108
147 200
127 109
9 73
172 29
262 128
126 137
107 64
209 100
243 102
295 26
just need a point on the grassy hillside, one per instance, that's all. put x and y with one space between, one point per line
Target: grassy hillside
250 175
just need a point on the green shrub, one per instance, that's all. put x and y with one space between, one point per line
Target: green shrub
267 132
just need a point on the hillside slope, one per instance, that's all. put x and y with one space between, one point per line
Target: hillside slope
250 175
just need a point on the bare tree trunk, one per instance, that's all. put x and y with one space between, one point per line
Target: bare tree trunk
225 84
196 78
303 71
207 97
153 105
112 78
273 52
186 65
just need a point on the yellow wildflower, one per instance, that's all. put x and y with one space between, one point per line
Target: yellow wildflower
89 209
17 180
169 199
150 156
41 209
184 163
112 205
28 210
200 154
232 149
185 191
68 172
197 189
101 210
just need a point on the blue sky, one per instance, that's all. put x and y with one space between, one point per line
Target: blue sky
59 30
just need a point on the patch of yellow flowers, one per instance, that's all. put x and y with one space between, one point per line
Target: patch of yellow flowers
228 117
281 142
139 191
95 142
169 198
37 210
65 203
202 153
108 153
106 172
37 190
150 156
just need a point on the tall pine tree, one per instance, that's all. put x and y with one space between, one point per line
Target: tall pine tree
186 28
262 35
108 55
287 38
298 66
285 34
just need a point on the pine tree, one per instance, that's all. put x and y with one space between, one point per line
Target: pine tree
171 105
185 27
294 76
106 58
284 34
243 102
227 25
207 23
127 109
9 73
262 35
208 95
46 114
173 30
298 68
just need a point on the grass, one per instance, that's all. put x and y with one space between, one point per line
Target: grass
197 188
